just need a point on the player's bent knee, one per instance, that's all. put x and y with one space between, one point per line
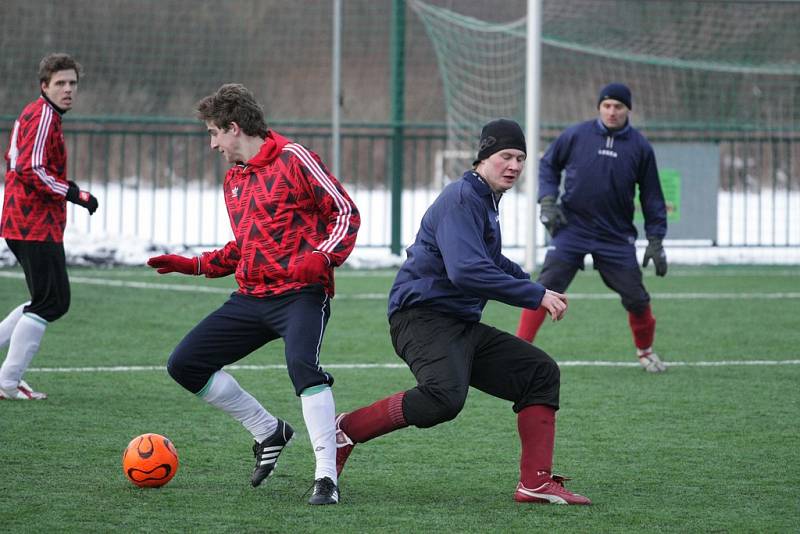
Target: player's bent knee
182 372
552 371
546 377
438 409
54 313
638 307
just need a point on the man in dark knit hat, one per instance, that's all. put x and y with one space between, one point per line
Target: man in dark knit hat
605 159
454 266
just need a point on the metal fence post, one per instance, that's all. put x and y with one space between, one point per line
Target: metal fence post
397 82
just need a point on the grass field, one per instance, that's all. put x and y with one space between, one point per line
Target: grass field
710 446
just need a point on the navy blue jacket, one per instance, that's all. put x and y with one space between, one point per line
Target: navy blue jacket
455 264
602 169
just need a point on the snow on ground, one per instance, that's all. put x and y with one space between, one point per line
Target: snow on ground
133 225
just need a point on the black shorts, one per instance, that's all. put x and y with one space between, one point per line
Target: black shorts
448 355
244 324
45 270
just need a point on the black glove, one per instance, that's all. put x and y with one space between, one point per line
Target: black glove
81 198
551 215
655 251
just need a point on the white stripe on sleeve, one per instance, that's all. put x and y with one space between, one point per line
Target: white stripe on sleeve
39 148
339 230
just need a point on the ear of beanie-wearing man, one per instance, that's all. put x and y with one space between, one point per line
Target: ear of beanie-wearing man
23 346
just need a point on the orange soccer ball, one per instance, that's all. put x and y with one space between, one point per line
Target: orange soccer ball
150 460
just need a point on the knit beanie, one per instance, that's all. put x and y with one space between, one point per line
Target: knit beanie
498 135
616 91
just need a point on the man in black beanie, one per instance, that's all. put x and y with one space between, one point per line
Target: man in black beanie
454 266
605 160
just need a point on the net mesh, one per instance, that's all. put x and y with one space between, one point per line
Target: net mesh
156 58
693 66
153 59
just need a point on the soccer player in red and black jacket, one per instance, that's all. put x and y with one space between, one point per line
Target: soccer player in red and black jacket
293 222
34 217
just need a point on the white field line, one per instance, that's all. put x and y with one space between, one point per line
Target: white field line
193 288
568 363
120 272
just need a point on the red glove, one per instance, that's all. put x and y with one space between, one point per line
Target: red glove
314 269
172 263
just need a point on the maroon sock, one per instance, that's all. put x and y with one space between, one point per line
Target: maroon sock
643 328
537 432
375 420
529 323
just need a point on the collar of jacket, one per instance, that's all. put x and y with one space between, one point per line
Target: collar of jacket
481 187
269 150
52 105
616 133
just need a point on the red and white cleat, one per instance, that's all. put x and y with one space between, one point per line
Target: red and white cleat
22 392
552 491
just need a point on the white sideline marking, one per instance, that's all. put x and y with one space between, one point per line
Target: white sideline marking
192 288
567 363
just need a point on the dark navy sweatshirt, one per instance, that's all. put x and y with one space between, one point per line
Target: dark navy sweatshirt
602 169
455 264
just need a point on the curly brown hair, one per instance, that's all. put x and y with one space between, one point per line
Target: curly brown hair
233 102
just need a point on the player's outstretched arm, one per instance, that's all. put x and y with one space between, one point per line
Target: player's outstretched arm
173 263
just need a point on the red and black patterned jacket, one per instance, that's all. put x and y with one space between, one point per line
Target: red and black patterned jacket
34 204
283 204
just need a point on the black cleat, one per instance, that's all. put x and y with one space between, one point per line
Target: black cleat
267 452
325 492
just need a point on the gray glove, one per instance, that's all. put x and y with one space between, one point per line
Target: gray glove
655 251
552 216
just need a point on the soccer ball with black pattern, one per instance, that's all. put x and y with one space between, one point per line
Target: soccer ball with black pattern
150 460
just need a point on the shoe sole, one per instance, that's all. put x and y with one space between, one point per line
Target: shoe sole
539 498
528 496
323 503
33 397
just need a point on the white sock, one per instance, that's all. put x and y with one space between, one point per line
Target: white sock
8 324
24 344
224 392
644 352
319 413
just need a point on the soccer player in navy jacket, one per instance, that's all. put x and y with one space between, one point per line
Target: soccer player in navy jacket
34 218
453 268
292 222
603 160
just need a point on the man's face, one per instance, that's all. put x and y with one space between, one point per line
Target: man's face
62 88
502 169
225 141
613 113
